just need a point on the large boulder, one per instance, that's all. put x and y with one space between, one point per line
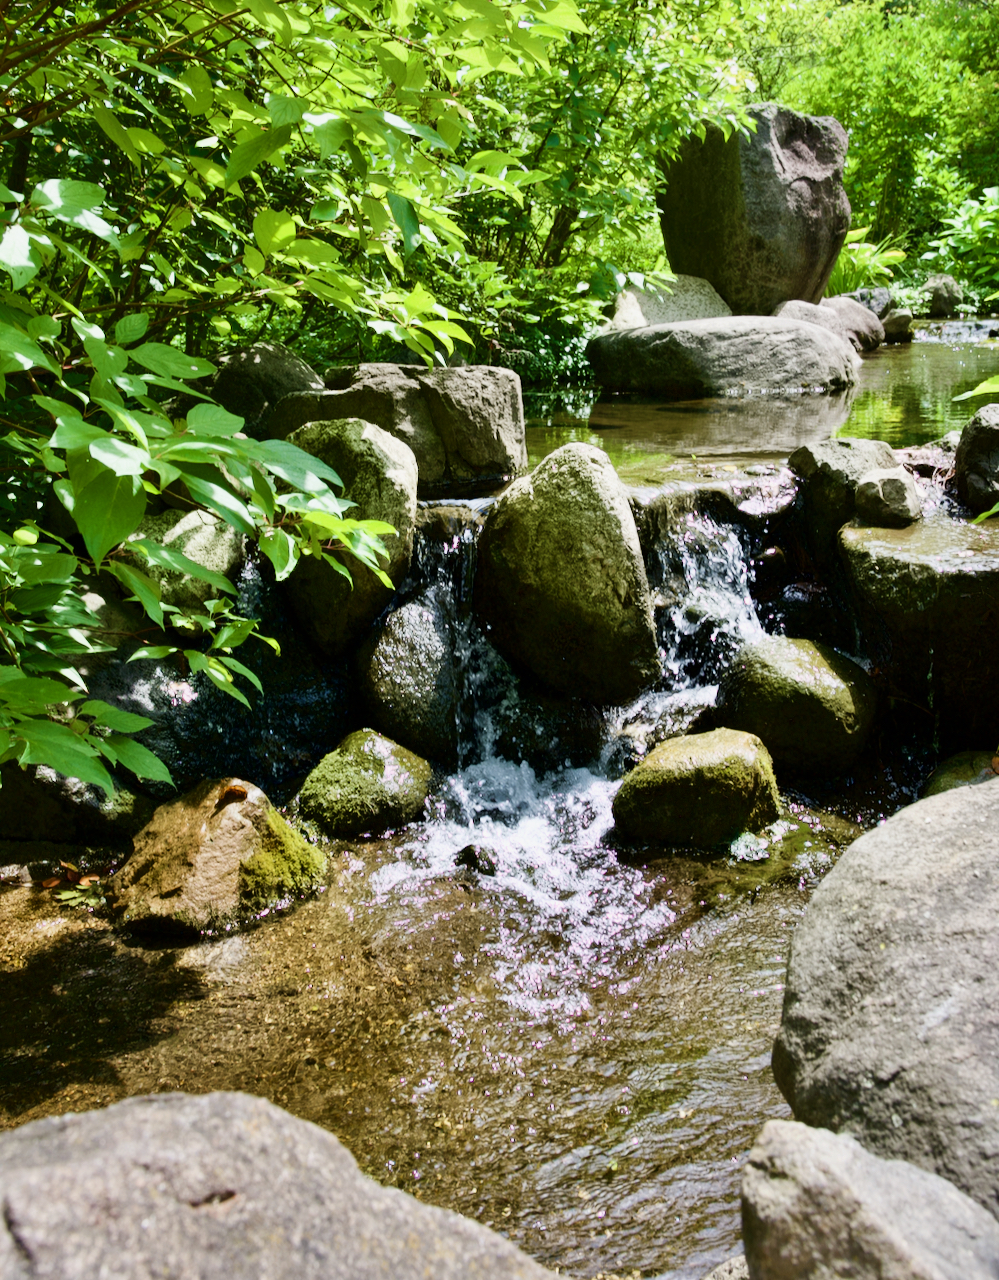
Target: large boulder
560 584
465 426
761 215
700 790
890 1028
812 707
252 380
976 464
691 359
209 542
684 298
379 475
221 1187
843 316
815 1205
369 783
831 471
927 599
220 850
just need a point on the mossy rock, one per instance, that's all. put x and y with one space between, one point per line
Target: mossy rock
368 784
699 790
963 770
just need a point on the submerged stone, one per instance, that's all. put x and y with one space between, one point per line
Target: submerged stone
811 706
367 784
699 790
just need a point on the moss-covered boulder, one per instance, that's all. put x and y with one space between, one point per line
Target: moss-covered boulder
219 851
699 790
368 784
963 770
811 706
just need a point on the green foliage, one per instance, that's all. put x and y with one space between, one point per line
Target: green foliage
862 265
968 247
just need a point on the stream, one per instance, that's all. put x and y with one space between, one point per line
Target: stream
574 1050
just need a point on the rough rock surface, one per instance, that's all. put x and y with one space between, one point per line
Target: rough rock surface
222 1187
815 1205
252 380
927 598
831 471
688 299
464 425
733 1269
379 475
877 299
368 783
812 707
201 859
761 216
560 582
842 316
888 497
897 325
698 790
962 770
210 542
890 1028
943 296
38 804
696 358
976 464
408 679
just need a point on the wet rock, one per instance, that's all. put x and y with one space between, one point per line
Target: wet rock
897 325
698 790
976 463
475 858
252 380
221 849
927 599
830 472
816 1204
224 1187
379 475
695 358
409 683
464 425
763 215
842 316
878 300
888 498
200 536
943 296
38 804
560 584
890 1027
368 784
812 707
688 298
961 770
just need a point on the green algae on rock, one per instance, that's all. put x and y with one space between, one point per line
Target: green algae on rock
220 850
699 790
963 770
369 783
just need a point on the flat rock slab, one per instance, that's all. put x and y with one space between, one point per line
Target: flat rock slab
694 358
890 1029
220 1187
815 1204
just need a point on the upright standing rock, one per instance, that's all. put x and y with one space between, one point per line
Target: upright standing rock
762 216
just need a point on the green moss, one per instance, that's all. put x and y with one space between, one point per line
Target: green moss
285 864
368 783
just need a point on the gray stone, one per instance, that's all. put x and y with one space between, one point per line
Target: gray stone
367 784
408 679
888 497
252 380
852 322
877 299
560 583
965 769
812 707
897 325
684 298
464 425
741 354
831 472
221 849
927 601
38 804
762 215
221 1187
976 464
733 1269
817 1205
698 790
890 1028
200 536
943 296
379 475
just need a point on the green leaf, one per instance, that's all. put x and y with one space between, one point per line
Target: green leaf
286 110
131 328
145 590
167 558
281 550
74 203
107 509
61 749
139 759
196 91
273 230
407 221
120 457
987 388
168 362
213 420
113 717
249 155
300 469
18 353
153 651
115 131
20 255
